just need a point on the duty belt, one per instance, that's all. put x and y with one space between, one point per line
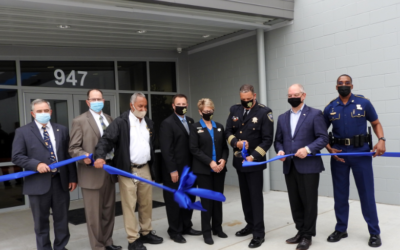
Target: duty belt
137 166
357 140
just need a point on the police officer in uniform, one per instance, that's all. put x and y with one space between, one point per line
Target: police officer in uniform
348 115
252 123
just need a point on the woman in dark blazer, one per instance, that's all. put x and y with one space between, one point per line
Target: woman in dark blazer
210 153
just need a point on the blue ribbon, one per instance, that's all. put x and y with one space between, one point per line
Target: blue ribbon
14 176
187 180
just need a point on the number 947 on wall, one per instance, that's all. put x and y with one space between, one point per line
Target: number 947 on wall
71 78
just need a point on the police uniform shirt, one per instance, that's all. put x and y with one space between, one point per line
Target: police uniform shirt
350 119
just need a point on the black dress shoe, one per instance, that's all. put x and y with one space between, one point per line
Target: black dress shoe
220 234
294 240
244 232
337 236
375 240
136 245
191 231
209 241
304 244
151 238
256 242
178 238
113 247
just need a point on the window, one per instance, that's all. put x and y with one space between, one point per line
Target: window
163 76
8 74
161 108
132 76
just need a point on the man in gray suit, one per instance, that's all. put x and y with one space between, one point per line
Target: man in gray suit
98 187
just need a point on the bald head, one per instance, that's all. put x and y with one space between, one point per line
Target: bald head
297 88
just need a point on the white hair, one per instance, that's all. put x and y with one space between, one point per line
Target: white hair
39 101
135 95
300 87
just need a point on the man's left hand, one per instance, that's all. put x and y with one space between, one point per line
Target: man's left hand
301 153
72 186
249 158
379 148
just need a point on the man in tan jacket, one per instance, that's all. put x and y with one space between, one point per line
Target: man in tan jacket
98 187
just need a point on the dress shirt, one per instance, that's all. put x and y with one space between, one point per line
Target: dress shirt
139 140
184 123
97 119
294 118
49 129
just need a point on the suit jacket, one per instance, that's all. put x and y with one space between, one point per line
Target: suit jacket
84 137
29 149
117 136
310 131
174 145
201 146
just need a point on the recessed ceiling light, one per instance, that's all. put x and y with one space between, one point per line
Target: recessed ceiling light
141 31
206 36
64 26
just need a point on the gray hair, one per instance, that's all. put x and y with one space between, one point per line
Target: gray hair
39 101
246 88
135 95
300 87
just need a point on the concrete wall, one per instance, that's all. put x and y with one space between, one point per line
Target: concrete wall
218 73
329 38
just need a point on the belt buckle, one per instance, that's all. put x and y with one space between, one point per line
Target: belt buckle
347 141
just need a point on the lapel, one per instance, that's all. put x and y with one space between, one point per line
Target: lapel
93 124
303 116
179 123
287 117
57 136
36 132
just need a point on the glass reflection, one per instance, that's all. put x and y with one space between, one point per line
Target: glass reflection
132 76
161 108
163 76
8 75
9 122
11 191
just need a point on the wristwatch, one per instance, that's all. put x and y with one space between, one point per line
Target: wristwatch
382 138
252 157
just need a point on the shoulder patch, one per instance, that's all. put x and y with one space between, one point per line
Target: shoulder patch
270 117
361 96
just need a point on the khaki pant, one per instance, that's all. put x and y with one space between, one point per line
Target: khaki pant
135 191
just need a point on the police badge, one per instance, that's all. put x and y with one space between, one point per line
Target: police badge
255 120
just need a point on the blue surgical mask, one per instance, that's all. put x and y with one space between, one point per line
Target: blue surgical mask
42 118
96 106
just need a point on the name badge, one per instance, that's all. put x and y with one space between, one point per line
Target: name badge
200 131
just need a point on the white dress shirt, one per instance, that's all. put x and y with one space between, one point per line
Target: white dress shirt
139 146
50 130
97 119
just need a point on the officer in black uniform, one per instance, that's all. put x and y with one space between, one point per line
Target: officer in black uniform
252 123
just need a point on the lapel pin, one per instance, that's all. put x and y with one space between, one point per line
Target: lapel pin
219 130
304 114
58 130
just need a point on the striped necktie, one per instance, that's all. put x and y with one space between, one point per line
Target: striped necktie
49 145
110 155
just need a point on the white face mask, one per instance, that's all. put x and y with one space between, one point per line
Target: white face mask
139 114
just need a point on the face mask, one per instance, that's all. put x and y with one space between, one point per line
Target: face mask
247 104
344 90
42 118
208 116
96 106
295 102
181 110
139 114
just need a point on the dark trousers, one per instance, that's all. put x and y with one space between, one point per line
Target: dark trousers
179 219
303 198
361 167
251 185
58 200
215 182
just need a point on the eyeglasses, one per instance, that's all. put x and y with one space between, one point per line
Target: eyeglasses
96 99
295 95
342 83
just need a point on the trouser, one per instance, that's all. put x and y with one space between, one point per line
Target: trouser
58 200
251 185
215 182
303 198
100 213
361 167
135 191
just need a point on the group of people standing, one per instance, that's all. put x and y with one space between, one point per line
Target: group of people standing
128 144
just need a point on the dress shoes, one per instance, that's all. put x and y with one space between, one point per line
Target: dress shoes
151 238
191 231
375 240
209 241
337 236
136 245
220 234
304 244
256 242
178 238
244 232
294 240
113 247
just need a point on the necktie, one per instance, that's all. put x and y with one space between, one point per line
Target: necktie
110 155
49 145
186 126
245 114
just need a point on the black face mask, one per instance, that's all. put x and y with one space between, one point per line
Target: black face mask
247 104
208 116
180 110
344 90
295 102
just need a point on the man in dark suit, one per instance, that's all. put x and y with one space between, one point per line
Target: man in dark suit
176 154
37 145
252 123
301 131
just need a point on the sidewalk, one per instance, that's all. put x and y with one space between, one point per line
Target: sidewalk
16 228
